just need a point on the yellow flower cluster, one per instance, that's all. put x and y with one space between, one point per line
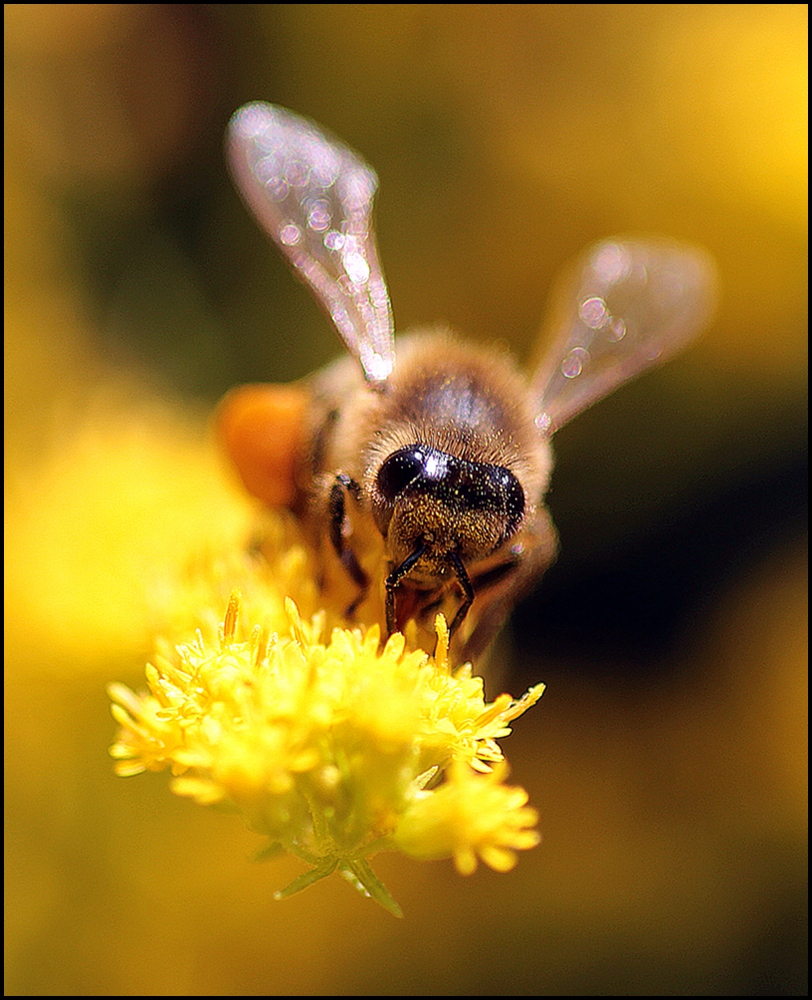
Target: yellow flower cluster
332 747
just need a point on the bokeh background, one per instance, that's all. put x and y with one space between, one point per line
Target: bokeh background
668 756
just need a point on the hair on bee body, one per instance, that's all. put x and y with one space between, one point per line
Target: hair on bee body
422 465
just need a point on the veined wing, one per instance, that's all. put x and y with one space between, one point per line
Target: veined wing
314 196
627 305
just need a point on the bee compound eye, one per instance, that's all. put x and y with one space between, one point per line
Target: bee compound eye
512 496
401 469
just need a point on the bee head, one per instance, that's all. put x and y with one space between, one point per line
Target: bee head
424 497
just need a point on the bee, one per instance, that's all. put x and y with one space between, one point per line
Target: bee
420 467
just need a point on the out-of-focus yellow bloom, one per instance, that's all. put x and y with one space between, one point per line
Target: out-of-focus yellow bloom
469 816
331 746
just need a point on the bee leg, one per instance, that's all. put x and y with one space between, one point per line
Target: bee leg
338 515
501 585
467 589
392 582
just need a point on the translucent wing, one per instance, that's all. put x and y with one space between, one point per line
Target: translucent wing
625 307
314 196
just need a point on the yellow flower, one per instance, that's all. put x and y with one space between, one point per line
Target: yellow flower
332 747
471 814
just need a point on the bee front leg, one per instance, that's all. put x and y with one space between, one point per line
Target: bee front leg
392 583
500 583
338 519
467 589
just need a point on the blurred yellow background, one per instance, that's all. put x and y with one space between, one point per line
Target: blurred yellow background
668 756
